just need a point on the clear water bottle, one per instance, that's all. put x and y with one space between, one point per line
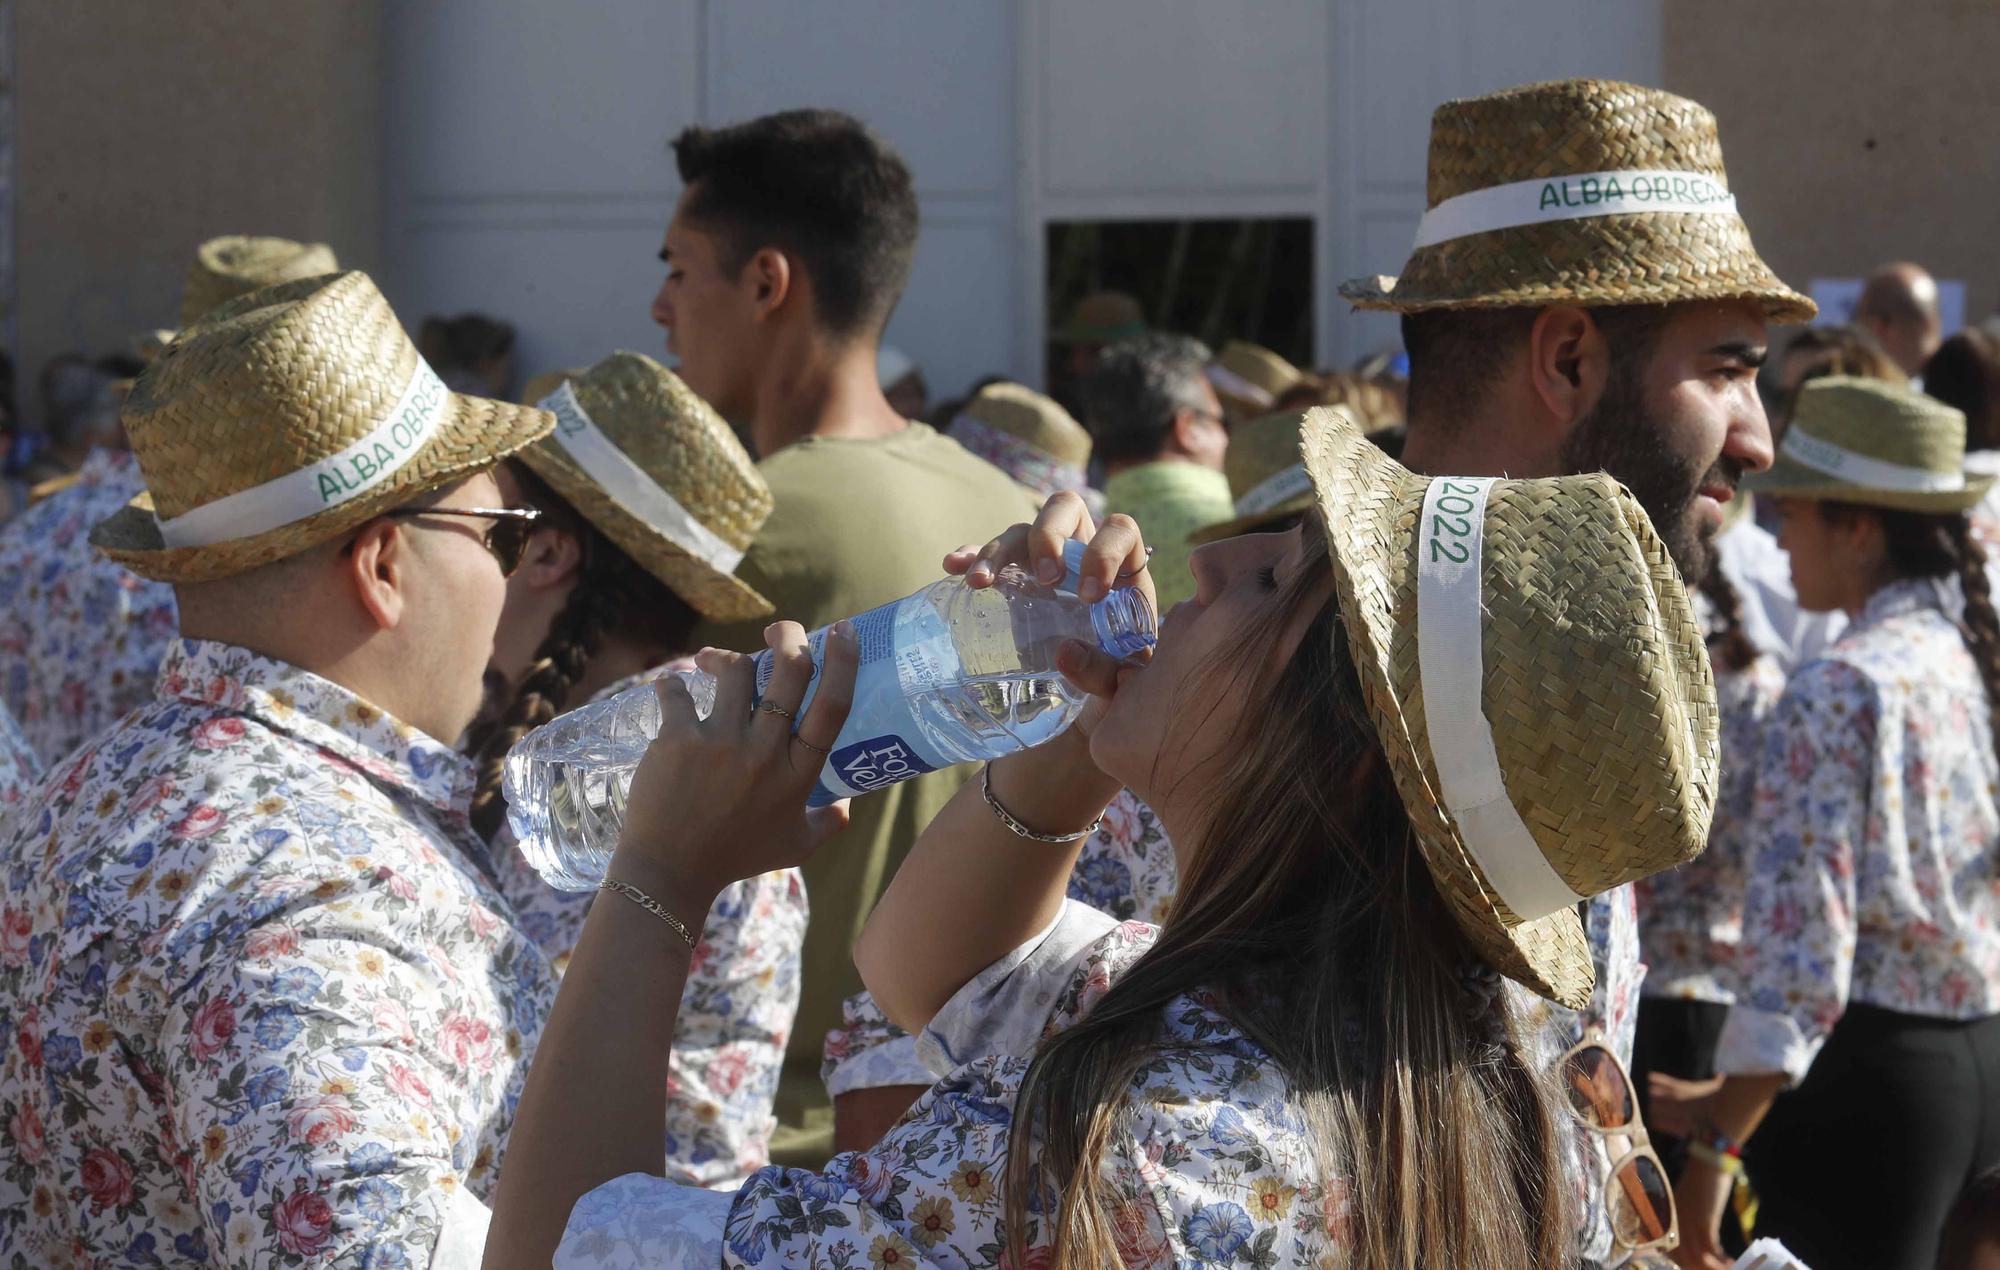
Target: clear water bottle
948 675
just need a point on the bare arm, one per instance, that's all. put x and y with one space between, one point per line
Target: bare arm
972 890
713 802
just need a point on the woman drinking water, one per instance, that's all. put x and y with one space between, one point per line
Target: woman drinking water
1393 746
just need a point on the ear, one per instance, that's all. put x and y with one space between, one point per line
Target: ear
1189 428
771 277
554 559
377 565
1568 364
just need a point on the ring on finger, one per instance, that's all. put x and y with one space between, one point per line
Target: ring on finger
772 707
820 750
1133 573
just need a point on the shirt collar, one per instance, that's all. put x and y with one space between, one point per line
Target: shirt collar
320 713
1900 599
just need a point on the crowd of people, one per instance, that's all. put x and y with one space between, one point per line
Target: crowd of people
1557 825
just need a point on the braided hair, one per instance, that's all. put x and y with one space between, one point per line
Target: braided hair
1729 643
1930 545
613 595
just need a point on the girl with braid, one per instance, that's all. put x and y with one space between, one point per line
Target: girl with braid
1865 1035
647 503
1691 918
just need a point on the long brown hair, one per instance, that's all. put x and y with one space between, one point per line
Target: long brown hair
1929 545
613 595
1307 912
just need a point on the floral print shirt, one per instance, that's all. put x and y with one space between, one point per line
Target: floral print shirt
1875 866
262 1001
80 636
1691 918
869 1051
1126 869
1212 1167
735 1014
19 767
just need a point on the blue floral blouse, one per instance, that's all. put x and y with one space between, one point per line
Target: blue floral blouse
1875 868
80 636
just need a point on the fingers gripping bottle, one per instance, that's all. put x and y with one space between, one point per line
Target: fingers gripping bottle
948 675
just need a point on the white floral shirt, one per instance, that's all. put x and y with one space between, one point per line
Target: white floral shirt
868 1050
1691 918
80 636
1126 869
1212 1167
1875 866
19 767
735 1015
262 1002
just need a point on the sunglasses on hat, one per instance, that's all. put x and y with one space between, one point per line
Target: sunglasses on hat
1638 1197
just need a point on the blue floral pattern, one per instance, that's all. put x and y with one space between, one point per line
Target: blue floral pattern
1874 875
80 636
262 1002
19 767
1126 869
735 1015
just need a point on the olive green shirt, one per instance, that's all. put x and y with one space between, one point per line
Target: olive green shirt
857 524
1170 500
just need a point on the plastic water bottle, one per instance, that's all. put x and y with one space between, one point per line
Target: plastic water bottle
948 675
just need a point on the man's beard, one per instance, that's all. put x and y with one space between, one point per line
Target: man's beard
1626 437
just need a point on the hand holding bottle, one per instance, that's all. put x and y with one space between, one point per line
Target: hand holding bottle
1114 557
722 798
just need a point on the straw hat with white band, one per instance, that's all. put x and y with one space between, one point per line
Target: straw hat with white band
1266 477
1578 192
644 459
1026 435
225 268
1874 443
1539 684
284 418
1250 378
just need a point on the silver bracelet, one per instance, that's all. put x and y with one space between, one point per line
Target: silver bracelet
1021 830
651 905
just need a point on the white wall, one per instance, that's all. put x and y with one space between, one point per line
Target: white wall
530 175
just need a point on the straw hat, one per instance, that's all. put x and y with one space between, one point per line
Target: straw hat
1582 191
1250 378
287 417
1539 684
1266 478
225 268
1102 317
653 466
1879 444
1026 435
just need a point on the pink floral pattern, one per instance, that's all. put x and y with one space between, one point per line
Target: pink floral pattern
262 1002
80 636
1874 875
736 1012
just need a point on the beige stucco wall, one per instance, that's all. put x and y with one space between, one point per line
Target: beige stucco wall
1856 131
144 128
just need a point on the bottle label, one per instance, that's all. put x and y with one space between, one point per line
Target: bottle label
878 761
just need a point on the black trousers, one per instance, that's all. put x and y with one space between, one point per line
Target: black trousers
1677 1038
1858 1166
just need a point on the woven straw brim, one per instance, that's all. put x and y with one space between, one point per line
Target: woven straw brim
1252 523
1788 478
1596 686
475 435
717 596
1626 259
